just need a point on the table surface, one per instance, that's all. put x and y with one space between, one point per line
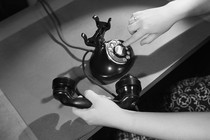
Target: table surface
30 59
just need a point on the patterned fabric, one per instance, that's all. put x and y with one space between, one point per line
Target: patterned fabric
189 95
121 135
192 95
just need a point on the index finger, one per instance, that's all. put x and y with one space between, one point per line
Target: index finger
136 36
80 112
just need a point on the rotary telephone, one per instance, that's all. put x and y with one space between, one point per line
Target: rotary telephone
110 61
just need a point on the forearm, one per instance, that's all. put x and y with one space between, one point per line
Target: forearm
187 8
167 125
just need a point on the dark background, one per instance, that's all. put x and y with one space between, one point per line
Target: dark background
10 7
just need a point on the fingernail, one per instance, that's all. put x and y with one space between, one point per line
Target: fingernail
142 44
125 44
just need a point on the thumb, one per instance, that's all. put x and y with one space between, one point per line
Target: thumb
91 95
149 39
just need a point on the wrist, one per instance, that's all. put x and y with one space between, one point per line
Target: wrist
124 120
188 8
176 10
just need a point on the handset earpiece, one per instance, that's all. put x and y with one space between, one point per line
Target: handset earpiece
64 90
128 89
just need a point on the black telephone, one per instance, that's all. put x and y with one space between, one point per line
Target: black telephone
109 62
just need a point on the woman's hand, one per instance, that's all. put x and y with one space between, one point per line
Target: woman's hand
102 112
149 24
